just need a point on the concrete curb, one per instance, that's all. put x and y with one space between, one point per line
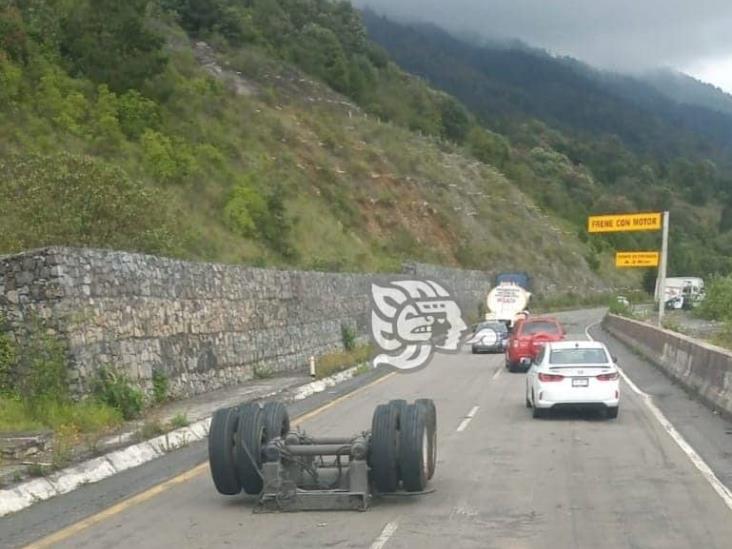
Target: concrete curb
27 493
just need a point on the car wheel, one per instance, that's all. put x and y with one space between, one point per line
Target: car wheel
474 351
511 367
612 413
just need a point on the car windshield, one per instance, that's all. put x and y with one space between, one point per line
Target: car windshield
531 328
578 356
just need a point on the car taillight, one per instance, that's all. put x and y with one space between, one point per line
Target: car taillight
550 377
608 377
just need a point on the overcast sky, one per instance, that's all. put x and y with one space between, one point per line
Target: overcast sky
692 35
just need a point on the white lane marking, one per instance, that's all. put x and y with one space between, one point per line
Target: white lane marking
464 423
695 458
498 372
388 531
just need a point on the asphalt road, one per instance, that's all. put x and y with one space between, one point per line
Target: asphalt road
505 480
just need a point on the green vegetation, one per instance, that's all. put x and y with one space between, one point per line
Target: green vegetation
717 304
179 421
102 206
348 337
254 160
115 389
581 142
263 372
724 337
161 386
332 363
151 428
34 395
619 308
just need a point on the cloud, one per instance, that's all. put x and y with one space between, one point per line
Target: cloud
615 34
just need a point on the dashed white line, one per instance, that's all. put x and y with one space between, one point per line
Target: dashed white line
388 531
695 458
464 423
498 372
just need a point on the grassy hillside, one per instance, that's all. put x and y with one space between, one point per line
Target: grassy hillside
153 128
585 142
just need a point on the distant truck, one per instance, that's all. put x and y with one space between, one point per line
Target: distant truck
507 303
682 292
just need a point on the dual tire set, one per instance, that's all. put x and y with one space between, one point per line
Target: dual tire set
235 441
403 445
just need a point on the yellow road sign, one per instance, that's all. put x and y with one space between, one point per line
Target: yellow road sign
636 259
624 223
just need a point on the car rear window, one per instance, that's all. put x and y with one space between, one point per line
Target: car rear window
495 326
578 356
535 327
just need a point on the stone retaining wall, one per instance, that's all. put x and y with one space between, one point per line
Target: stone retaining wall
204 325
702 368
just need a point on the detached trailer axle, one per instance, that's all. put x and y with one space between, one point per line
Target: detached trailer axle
252 449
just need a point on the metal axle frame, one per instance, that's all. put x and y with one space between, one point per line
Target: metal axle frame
297 478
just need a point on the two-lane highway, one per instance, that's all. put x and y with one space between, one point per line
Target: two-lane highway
503 480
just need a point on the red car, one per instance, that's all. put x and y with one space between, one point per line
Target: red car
528 337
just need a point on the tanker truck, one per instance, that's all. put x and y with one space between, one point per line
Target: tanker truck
507 302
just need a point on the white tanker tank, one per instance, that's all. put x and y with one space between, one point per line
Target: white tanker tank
507 303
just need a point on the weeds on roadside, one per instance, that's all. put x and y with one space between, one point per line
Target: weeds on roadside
338 361
161 386
262 372
179 420
115 389
348 337
151 429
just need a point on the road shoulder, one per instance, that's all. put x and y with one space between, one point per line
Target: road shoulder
707 432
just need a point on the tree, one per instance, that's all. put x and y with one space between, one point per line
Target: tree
455 119
649 280
109 42
488 147
319 52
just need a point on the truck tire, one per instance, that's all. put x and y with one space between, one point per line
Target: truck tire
414 443
383 450
276 420
221 435
251 436
400 405
429 405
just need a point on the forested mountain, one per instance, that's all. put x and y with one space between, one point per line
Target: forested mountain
686 89
639 148
269 132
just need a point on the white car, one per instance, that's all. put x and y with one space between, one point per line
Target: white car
573 374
